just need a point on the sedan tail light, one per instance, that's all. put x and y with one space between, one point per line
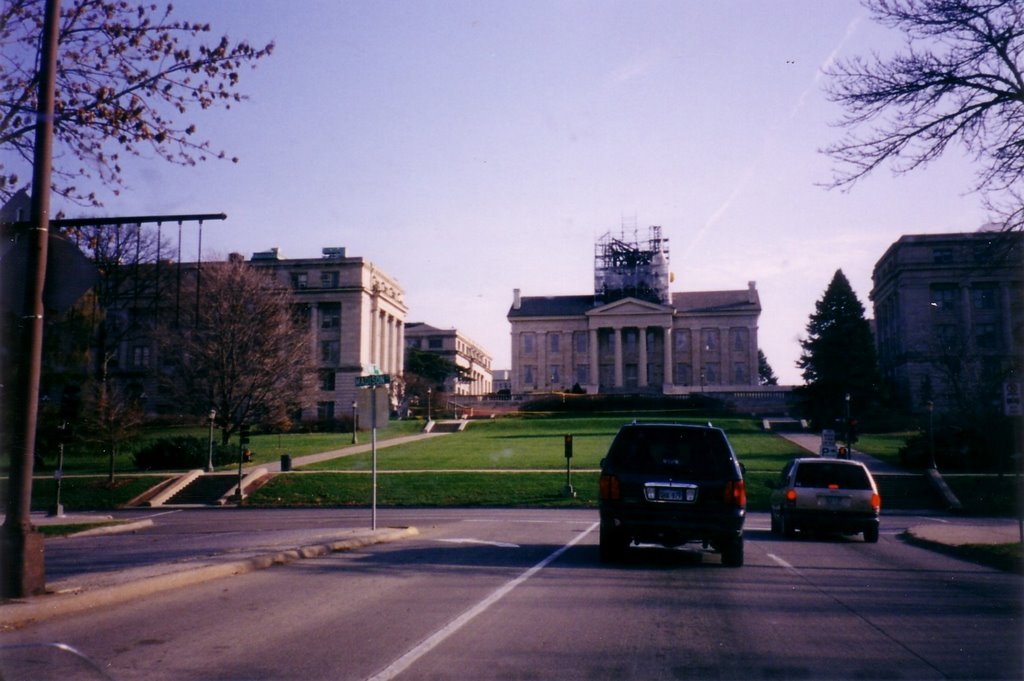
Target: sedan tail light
791 496
609 488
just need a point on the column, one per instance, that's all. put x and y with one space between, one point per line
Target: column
594 360
617 340
641 374
669 370
399 359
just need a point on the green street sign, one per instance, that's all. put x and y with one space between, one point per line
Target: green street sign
372 380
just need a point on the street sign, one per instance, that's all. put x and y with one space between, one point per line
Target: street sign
372 380
828 444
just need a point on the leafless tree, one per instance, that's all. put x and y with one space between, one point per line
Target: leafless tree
957 80
244 351
128 73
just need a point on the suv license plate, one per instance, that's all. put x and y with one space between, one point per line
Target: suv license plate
688 494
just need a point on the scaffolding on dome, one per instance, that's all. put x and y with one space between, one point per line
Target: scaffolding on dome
631 269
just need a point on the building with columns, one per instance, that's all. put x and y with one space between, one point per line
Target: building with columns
460 350
949 317
357 320
632 335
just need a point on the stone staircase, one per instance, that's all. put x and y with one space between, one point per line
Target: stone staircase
204 490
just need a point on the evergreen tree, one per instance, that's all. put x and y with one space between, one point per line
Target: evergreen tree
765 373
838 356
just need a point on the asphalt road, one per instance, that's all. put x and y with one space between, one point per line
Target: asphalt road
498 594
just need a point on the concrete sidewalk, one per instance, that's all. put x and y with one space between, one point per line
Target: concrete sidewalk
97 589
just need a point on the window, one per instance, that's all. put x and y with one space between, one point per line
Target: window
947 339
328 280
556 374
629 340
684 374
740 375
944 297
435 343
528 343
984 297
325 411
555 342
682 340
140 356
330 315
330 352
412 343
709 340
709 375
327 381
528 375
300 280
582 373
740 339
985 336
580 340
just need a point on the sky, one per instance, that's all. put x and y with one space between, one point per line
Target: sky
469 148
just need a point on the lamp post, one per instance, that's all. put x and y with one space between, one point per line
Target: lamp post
849 452
209 460
428 405
355 421
931 435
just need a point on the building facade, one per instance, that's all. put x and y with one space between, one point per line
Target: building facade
949 316
632 335
356 320
466 354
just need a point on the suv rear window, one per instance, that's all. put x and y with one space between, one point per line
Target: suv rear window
825 474
697 453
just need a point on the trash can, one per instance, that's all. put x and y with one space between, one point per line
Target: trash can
286 462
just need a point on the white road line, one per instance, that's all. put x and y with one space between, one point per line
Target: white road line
435 639
781 562
502 544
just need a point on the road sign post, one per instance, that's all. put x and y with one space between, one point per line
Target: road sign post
373 381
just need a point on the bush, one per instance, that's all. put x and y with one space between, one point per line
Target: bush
960 449
183 452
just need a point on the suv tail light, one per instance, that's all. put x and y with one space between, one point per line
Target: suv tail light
735 493
609 488
876 502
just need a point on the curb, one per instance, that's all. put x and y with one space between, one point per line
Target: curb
966 552
69 599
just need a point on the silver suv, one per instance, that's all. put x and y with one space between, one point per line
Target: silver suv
669 484
825 494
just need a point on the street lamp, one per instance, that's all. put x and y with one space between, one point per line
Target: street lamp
428 405
209 461
355 421
931 434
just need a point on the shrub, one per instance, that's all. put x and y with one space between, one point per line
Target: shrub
182 452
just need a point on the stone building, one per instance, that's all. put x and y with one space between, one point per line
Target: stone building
356 317
949 316
458 349
632 335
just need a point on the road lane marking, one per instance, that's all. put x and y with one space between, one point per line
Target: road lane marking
502 544
781 562
435 639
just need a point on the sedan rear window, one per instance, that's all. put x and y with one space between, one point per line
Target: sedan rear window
826 474
696 453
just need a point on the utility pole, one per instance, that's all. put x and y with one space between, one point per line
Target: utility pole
23 569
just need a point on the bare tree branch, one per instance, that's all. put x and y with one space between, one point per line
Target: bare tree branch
958 81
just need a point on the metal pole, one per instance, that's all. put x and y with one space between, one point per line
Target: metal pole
22 570
373 453
931 435
209 459
355 422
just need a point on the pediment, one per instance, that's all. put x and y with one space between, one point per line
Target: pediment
629 307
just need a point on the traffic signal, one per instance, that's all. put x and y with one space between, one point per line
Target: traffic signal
568 446
243 434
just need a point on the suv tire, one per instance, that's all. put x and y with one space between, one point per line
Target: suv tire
613 544
732 552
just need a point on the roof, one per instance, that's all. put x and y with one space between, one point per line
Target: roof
689 302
